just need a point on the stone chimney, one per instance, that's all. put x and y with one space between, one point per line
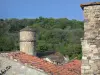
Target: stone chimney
28 41
91 40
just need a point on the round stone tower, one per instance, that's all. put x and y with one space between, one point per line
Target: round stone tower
91 40
28 40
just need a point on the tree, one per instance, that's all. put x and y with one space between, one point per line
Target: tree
60 34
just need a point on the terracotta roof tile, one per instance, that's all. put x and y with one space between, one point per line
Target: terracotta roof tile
71 68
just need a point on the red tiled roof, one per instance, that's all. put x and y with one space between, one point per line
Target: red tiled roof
71 68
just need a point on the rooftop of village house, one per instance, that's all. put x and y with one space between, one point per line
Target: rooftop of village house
71 68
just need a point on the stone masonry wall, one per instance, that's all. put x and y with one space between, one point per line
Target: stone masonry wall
28 42
91 41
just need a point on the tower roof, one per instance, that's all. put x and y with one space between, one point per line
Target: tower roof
89 4
28 29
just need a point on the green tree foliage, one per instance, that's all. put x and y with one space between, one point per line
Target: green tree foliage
61 34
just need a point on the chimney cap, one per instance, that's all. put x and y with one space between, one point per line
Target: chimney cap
89 4
28 29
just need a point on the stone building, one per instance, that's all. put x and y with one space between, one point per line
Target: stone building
25 61
28 41
56 58
91 40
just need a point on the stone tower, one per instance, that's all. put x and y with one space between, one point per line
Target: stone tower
28 40
91 40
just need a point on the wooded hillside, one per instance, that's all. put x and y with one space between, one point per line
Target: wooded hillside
61 34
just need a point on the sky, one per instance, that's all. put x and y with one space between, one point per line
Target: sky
46 8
